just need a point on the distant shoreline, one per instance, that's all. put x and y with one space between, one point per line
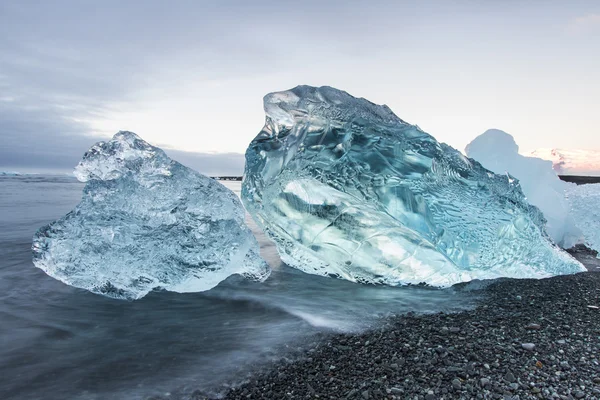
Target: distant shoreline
227 178
579 179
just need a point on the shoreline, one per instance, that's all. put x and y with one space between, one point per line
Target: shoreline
482 353
586 256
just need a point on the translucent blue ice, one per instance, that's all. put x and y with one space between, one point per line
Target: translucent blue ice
144 222
345 188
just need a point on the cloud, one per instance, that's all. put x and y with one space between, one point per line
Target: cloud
38 138
68 65
217 164
190 74
53 138
585 23
41 140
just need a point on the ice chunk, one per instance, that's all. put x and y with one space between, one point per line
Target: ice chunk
144 222
345 188
497 151
584 201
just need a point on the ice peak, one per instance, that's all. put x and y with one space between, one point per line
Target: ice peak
126 152
130 138
323 102
493 140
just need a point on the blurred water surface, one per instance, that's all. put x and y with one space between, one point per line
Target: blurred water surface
59 342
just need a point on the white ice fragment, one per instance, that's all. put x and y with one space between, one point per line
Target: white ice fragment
497 151
584 203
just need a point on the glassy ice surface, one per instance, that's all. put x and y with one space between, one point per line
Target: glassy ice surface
144 222
497 151
345 188
584 201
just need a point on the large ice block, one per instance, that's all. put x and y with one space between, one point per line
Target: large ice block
144 222
345 188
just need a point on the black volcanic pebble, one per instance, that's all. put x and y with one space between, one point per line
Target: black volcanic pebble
476 354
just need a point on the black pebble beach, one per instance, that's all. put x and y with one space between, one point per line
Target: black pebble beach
526 339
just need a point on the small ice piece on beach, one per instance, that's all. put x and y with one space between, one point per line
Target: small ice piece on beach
497 151
347 189
584 201
145 222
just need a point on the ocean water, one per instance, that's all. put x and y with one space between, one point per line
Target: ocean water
59 342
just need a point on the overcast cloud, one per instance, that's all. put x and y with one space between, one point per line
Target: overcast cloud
190 75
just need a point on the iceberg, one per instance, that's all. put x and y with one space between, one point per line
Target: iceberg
347 189
584 203
146 222
497 151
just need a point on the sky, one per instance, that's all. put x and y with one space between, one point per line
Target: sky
189 76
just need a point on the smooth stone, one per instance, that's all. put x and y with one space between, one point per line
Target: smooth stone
528 346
